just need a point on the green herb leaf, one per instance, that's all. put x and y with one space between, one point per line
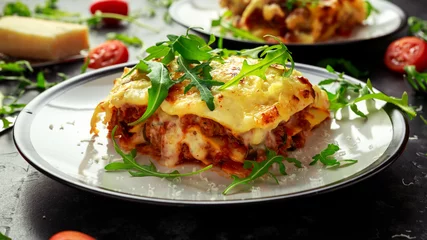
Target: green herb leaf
340 98
417 80
423 119
141 66
167 17
137 170
128 40
160 51
41 81
85 65
297 163
203 85
96 19
276 54
6 124
227 27
157 93
327 159
258 169
370 8
402 102
190 49
16 8
3 237
15 67
417 27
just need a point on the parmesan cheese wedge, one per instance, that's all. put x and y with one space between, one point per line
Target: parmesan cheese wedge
30 38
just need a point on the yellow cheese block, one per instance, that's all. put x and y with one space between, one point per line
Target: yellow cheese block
31 38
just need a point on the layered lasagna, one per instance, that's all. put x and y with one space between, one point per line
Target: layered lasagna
276 112
297 21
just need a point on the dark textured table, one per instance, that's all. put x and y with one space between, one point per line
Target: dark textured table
390 205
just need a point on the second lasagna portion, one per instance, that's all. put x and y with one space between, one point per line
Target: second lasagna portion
300 21
278 112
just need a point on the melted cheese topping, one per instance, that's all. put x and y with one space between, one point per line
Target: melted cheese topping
254 103
250 109
307 24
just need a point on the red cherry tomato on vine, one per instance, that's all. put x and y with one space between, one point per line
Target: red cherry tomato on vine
110 6
406 51
71 235
108 53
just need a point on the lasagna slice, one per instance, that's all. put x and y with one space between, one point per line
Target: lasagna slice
297 21
277 112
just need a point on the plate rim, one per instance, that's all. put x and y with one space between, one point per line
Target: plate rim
403 23
21 133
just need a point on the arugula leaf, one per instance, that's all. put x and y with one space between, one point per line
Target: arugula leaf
370 9
417 80
167 17
417 27
226 26
327 159
203 85
63 76
162 3
1 99
258 169
137 170
11 108
3 237
160 51
51 4
85 65
22 79
276 54
16 8
261 168
50 9
128 40
41 81
96 19
6 124
340 98
160 84
15 67
190 48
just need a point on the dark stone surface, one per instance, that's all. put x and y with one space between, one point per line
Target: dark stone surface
390 205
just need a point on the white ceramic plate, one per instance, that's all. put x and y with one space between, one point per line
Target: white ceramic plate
197 13
52 134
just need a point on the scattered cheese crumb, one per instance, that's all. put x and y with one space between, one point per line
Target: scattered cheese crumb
406 184
415 137
419 109
402 236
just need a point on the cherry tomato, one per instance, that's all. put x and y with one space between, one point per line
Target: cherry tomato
406 51
110 6
108 53
71 235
